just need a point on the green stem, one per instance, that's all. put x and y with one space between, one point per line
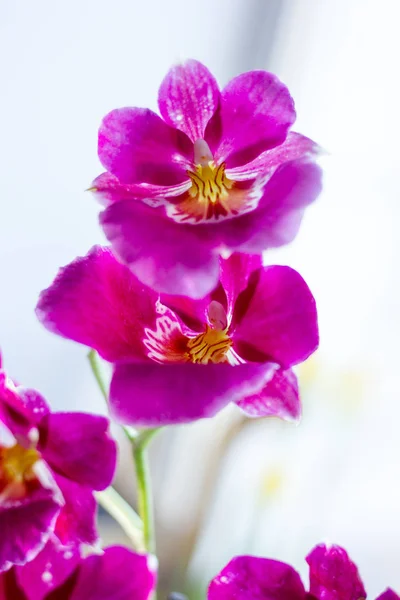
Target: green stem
95 365
145 498
96 370
112 502
124 514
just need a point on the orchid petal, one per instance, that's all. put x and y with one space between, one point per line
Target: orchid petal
275 318
136 145
188 98
155 394
96 301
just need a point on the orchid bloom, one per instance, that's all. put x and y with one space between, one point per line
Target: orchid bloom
50 463
176 359
59 574
219 172
333 576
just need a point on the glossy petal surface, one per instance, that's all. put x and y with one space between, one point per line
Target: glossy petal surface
333 576
52 566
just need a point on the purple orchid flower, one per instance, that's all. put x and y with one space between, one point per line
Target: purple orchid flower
333 576
177 359
59 574
50 463
219 172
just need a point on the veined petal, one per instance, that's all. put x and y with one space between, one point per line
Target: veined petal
279 398
275 318
155 394
253 578
136 145
256 113
167 256
79 447
295 146
118 574
188 97
97 301
52 566
333 576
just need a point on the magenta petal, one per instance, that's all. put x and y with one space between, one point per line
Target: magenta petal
256 113
76 523
333 576
16 416
279 398
167 256
295 147
388 594
275 318
252 578
188 97
136 145
277 218
34 402
56 562
118 574
96 301
155 394
108 188
235 272
26 526
79 446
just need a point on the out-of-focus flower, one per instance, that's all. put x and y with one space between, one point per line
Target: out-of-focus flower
333 576
218 172
58 574
50 463
177 359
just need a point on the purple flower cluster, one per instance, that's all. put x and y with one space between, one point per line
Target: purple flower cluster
190 319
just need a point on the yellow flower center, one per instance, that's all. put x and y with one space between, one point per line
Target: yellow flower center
210 346
16 469
210 185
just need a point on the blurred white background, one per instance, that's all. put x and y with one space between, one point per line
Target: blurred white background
279 489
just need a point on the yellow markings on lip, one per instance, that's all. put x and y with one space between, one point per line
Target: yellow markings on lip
210 346
210 184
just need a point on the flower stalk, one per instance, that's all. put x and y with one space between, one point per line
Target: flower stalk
140 529
144 488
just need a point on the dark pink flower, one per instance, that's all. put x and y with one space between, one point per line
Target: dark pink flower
50 463
333 576
219 171
177 359
59 574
